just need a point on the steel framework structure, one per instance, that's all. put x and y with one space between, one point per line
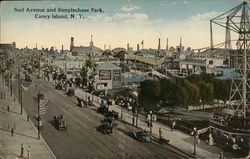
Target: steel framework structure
237 20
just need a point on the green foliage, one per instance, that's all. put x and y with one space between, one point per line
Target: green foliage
84 75
188 91
206 92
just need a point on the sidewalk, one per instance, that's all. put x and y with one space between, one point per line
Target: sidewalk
25 132
178 139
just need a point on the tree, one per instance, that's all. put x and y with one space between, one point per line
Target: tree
149 93
206 92
84 76
222 90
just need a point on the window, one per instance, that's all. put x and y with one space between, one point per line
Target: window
211 62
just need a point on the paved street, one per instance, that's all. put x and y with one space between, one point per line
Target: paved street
177 138
82 140
24 132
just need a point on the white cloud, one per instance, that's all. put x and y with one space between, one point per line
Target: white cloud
205 16
99 17
136 16
129 8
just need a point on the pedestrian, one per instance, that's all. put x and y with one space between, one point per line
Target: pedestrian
160 133
133 120
21 150
148 123
28 152
173 125
28 117
12 131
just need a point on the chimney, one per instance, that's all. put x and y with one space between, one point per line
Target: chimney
127 46
167 45
109 47
62 49
104 46
71 43
138 47
159 44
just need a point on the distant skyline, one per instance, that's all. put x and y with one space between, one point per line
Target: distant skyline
122 22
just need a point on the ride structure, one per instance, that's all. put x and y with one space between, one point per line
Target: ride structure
230 126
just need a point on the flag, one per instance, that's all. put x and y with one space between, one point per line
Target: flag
42 105
25 85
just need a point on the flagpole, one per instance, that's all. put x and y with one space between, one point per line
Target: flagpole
38 118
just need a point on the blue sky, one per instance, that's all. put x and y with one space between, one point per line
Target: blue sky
123 21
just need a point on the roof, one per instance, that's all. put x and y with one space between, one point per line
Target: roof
230 75
108 65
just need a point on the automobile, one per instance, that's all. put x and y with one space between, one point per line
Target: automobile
103 109
28 78
110 121
112 114
58 87
70 92
109 101
106 128
143 136
60 123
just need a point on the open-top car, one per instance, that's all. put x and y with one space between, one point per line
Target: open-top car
70 92
60 123
110 121
58 87
112 114
103 109
106 128
143 136
28 78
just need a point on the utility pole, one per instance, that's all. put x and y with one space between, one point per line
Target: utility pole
11 85
38 117
151 121
20 92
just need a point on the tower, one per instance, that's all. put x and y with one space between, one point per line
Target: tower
159 44
236 116
167 45
71 43
228 35
91 42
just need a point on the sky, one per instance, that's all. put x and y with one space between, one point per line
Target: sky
120 22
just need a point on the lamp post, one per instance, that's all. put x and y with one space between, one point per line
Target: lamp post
151 120
38 117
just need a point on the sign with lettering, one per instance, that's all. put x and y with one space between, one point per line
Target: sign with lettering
116 75
105 75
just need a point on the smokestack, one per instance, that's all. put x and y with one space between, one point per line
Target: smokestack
127 46
167 45
104 46
71 43
159 44
138 47
62 49
36 46
109 47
